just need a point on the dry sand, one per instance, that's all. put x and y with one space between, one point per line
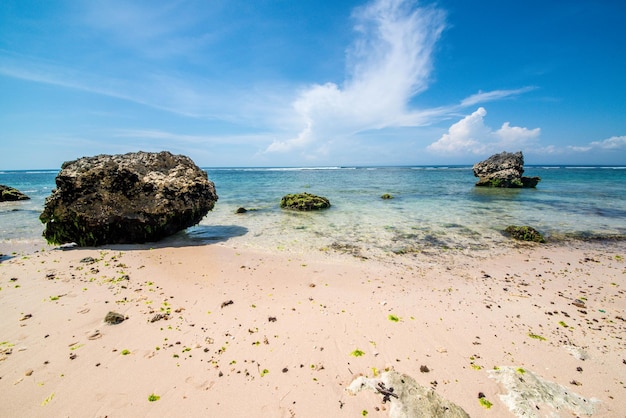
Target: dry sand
217 331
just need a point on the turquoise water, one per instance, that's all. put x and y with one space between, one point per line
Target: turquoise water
433 208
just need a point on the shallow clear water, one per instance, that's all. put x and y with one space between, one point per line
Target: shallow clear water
432 208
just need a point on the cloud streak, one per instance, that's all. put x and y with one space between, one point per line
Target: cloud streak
390 62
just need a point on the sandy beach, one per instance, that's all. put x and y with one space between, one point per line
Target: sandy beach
218 331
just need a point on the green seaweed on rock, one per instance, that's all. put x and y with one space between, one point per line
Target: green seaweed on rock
304 202
524 233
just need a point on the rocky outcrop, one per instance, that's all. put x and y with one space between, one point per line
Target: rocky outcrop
408 398
10 194
131 198
503 170
304 202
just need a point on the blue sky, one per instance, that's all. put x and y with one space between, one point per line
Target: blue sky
312 83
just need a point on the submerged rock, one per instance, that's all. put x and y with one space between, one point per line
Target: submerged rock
10 194
131 198
407 397
503 170
304 202
524 233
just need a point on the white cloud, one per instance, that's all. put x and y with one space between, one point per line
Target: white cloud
471 135
389 63
482 97
612 143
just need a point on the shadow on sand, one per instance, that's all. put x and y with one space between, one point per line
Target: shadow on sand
193 236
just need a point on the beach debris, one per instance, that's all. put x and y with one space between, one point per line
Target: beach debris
503 170
25 317
407 398
482 399
524 233
528 393
88 260
271 319
94 335
47 400
424 369
227 303
579 303
304 202
114 318
121 199
158 317
386 392
357 353
5 351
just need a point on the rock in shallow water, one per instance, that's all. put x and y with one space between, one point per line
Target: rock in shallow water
524 233
304 202
503 170
10 194
131 198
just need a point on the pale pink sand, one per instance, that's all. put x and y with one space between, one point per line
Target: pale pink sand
457 315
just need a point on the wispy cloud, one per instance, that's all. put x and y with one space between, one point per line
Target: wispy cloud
614 143
484 97
390 61
471 135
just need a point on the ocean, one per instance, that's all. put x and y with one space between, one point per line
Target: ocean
433 209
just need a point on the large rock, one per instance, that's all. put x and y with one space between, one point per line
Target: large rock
132 198
10 194
503 170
